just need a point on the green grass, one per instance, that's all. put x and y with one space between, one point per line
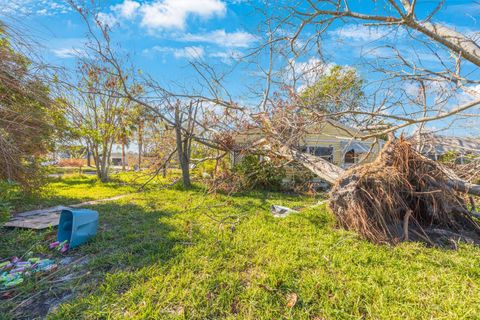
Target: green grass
175 254
73 188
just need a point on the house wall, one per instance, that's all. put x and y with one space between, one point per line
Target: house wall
324 135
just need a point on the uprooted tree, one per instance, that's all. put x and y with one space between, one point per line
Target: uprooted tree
401 190
401 195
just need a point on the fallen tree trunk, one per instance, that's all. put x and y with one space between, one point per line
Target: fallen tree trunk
317 165
374 199
331 172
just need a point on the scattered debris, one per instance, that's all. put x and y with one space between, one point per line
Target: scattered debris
319 203
48 217
292 299
14 270
66 261
281 212
61 247
76 227
54 303
36 219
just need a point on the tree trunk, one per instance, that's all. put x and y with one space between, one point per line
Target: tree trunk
183 158
319 166
103 174
164 171
140 143
88 157
103 162
217 163
184 165
123 156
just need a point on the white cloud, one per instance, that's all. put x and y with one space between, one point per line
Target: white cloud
173 14
67 48
469 94
238 39
444 93
107 19
29 7
308 72
128 9
362 33
66 53
226 57
42 12
190 53
467 9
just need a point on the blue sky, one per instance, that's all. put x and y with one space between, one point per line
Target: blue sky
161 36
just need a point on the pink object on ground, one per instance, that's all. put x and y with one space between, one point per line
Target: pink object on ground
64 248
54 244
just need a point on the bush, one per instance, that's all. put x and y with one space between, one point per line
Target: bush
256 174
301 180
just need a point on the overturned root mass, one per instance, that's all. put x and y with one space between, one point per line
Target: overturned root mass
400 196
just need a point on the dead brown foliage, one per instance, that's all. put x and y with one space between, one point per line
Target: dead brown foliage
72 163
401 196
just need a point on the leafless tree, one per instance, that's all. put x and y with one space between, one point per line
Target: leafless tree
97 113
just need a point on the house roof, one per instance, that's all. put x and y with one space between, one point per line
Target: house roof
431 143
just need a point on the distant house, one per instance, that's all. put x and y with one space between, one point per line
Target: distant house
340 144
437 147
117 159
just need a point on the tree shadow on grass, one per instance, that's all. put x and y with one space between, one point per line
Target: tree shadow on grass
129 238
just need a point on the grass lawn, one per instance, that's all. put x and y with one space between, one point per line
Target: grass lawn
174 254
71 189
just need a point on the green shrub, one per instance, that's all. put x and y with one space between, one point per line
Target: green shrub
256 174
300 179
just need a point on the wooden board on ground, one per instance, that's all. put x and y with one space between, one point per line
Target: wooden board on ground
36 219
49 217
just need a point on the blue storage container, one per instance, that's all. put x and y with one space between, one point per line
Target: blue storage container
77 226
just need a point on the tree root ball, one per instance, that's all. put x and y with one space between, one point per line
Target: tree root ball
402 195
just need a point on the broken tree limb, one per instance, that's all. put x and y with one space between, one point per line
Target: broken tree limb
405 225
317 165
450 38
465 187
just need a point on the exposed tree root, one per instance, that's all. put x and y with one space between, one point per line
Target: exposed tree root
403 190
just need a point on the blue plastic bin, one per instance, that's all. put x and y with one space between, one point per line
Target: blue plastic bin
77 226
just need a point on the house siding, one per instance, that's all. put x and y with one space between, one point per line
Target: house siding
325 135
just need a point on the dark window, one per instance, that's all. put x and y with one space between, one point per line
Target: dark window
324 152
350 156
